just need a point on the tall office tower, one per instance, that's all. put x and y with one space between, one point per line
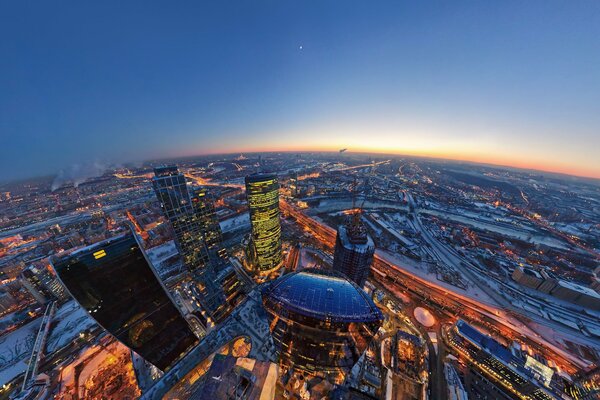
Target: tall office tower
204 212
262 191
354 250
172 192
114 282
199 240
42 284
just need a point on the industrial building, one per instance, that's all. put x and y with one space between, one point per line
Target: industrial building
520 378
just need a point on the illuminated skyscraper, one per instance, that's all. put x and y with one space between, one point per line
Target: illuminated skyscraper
262 191
114 282
354 250
172 193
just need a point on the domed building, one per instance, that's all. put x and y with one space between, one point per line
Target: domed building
320 320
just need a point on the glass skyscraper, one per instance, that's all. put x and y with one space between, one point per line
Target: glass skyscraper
199 240
205 215
262 191
114 282
177 205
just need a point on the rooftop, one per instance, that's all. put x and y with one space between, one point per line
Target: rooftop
354 239
166 170
259 177
319 294
484 342
579 288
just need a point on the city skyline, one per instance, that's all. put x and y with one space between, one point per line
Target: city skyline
328 275
506 84
334 200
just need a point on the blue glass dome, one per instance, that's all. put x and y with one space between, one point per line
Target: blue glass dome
323 295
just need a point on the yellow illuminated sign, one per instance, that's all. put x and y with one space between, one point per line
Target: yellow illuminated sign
99 254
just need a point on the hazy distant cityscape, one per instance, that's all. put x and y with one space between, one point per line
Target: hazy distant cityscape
297 275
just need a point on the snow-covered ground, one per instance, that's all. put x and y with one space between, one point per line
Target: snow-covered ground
517 233
421 270
15 348
241 221
331 205
393 231
70 320
158 254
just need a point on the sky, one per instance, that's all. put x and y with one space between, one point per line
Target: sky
504 82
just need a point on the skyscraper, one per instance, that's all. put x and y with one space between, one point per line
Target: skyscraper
205 215
354 250
114 282
199 240
262 191
172 192
42 285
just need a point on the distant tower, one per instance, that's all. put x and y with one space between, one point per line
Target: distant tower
114 282
262 191
354 250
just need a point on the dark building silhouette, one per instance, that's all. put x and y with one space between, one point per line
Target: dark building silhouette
114 282
262 191
321 322
205 215
354 250
174 197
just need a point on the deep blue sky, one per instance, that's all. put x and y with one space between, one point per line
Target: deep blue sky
505 82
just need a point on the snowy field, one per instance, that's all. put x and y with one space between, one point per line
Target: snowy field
241 221
15 348
521 234
70 320
421 270
332 205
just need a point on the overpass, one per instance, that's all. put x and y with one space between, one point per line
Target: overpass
38 347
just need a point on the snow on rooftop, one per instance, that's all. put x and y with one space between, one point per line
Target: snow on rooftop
579 288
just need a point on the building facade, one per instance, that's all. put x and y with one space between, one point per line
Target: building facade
321 322
41 284
172 192
199 240
114 282
262 192
354 250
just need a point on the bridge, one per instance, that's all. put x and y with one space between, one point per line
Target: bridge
38 347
